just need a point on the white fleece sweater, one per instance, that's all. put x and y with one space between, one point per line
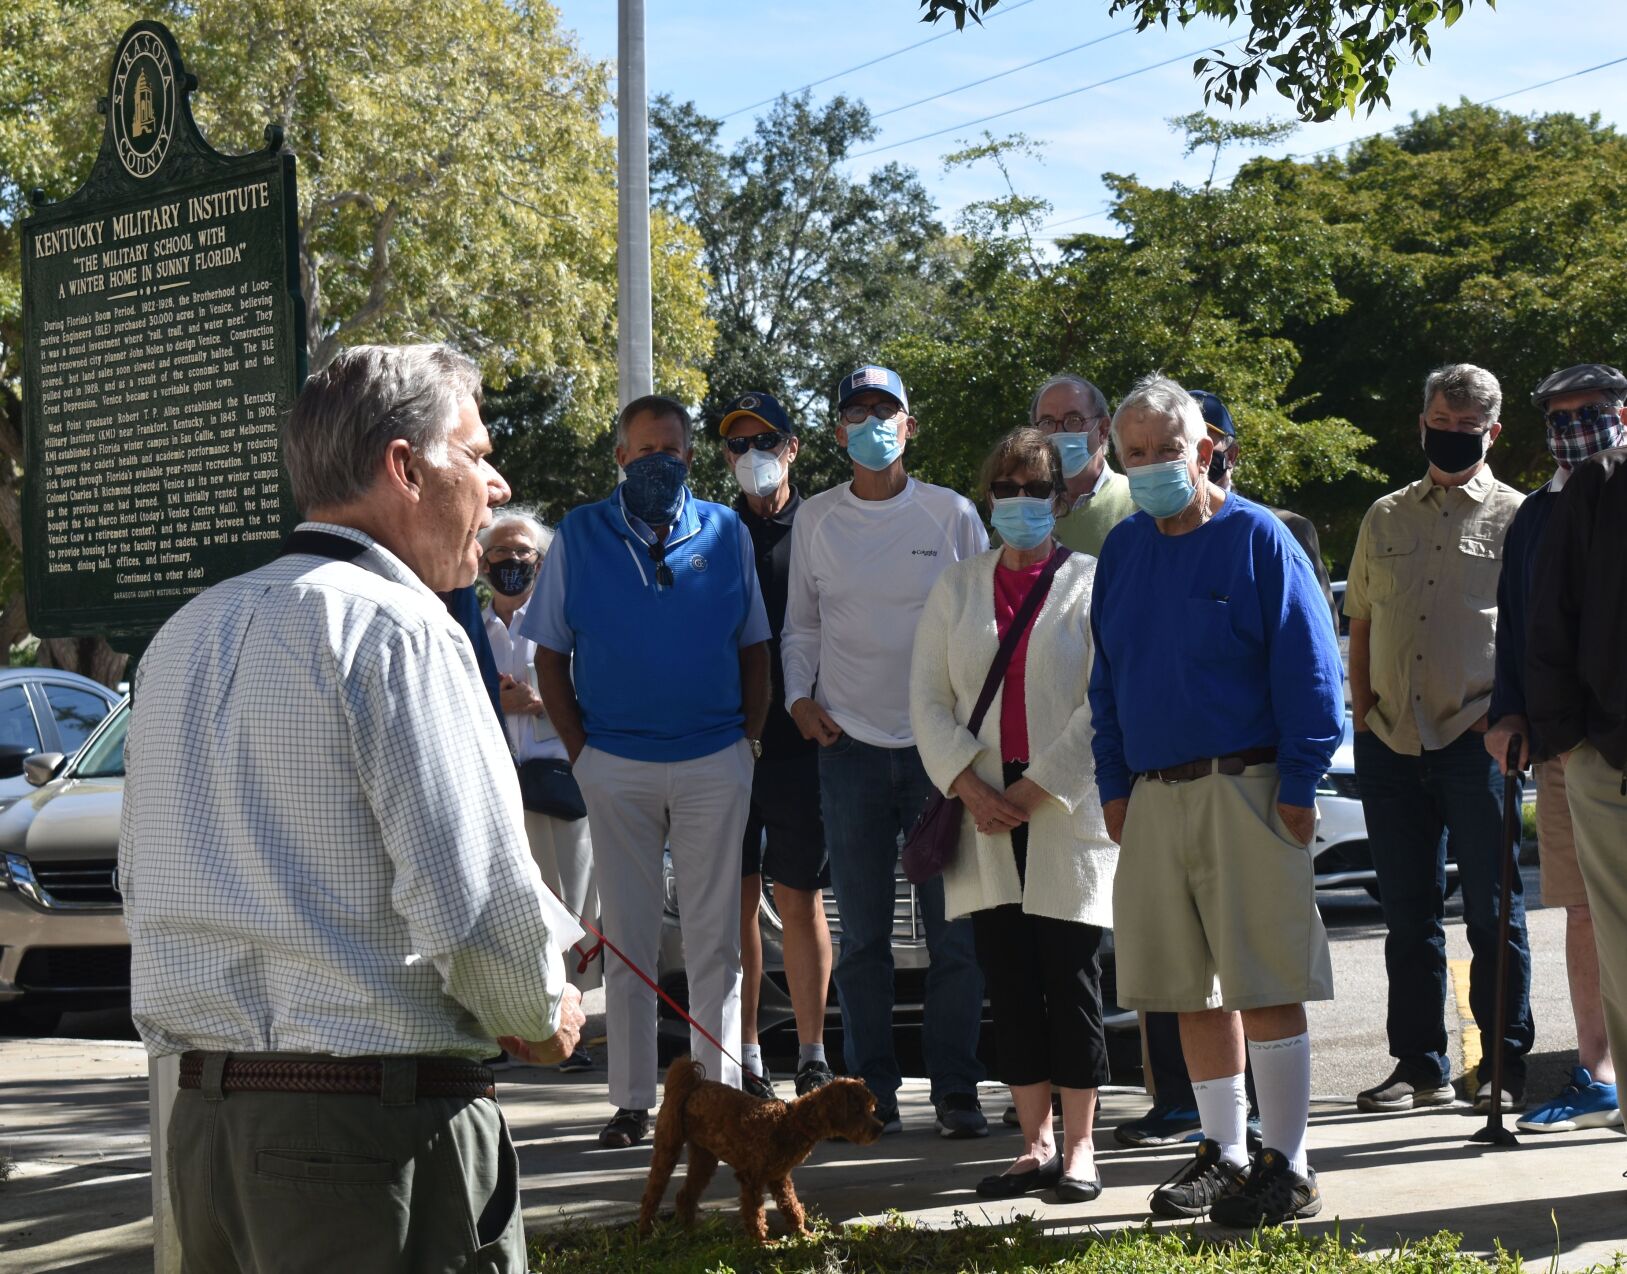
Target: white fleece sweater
1070 859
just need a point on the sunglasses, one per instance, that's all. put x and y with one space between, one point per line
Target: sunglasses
663 572
757 442
1007 490
1586 417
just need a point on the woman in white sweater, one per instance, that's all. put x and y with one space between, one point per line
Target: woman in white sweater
1034 868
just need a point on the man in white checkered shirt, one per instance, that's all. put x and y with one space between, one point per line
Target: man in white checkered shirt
331 904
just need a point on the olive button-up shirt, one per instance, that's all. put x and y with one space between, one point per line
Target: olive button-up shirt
1424 575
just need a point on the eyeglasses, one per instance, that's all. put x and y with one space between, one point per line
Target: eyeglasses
503 553
858 413
1005 489
757 442
1585 417
663 572
1072 423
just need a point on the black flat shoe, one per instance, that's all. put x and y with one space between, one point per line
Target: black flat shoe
1008 1185
1078 1189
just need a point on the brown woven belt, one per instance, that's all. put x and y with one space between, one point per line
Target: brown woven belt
362 1077
1236 763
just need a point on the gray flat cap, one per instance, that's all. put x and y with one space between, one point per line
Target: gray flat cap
1575 379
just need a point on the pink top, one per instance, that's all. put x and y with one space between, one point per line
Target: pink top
1011 587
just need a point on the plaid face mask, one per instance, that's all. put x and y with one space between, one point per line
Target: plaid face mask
1575 435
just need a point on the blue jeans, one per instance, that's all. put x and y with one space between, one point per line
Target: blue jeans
869 796
1412 803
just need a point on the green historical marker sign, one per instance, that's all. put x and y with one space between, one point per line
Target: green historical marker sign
164 340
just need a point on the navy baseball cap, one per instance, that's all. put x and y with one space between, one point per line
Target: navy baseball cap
755 406
884 379
1575 379
1214 412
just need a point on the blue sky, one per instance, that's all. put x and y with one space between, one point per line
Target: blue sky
726 54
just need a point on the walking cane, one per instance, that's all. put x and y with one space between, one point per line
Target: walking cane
1494 1134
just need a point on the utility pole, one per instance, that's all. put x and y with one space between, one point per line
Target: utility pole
634 341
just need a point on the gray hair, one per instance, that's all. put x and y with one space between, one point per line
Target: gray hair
1157 395
354 408
541 534
657 405
1098 400
1464 384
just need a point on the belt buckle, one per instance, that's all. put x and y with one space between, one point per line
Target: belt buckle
1159 775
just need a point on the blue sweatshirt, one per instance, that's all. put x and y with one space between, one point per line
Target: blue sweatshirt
1208 644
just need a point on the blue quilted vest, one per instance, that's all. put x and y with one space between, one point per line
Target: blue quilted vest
657 668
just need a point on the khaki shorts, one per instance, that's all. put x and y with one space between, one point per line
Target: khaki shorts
1556 841
1214 903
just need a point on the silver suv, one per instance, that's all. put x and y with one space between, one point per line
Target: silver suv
62 939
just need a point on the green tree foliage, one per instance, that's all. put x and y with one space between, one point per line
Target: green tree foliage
1476 236
811 270
1324 55
455 179
1200 285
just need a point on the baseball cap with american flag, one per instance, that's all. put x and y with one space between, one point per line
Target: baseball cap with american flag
884 379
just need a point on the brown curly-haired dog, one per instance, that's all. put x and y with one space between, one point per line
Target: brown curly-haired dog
763 1141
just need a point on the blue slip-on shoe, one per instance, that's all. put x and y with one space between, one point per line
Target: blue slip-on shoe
1582 1103
1163 1125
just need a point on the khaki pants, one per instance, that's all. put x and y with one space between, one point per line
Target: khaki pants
1214 902
289 1183
1599 817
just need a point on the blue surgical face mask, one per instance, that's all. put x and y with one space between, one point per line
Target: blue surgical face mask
654 488
1161 490
1075 450
1022 521
875 443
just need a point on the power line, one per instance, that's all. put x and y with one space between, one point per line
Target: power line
908 48
1083 216
1529 88
1055 97
999 75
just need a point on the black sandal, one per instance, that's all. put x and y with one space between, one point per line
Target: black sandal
626 1128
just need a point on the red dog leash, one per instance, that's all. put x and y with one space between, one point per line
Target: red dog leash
648 981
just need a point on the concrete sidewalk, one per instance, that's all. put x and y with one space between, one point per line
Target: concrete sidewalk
73 1113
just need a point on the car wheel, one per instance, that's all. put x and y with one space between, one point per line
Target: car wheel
28 1019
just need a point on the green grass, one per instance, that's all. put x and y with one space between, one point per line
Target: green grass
896 1246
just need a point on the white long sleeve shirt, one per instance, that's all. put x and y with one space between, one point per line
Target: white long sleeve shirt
860 574
322 847
530 738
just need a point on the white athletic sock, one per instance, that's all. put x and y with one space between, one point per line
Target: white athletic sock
810 1053
1282 1077
752 1056
1223 1111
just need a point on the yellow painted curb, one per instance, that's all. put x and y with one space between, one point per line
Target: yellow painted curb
1459 972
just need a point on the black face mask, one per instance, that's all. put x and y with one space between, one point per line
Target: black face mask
513 577
1451 451
1219 463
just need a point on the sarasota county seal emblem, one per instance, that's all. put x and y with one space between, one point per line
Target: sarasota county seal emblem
143 103
697 563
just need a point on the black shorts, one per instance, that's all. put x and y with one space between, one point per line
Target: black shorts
785 835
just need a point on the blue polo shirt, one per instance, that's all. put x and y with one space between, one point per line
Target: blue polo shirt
657 667
1209 644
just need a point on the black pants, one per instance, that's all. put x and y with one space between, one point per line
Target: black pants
1044 986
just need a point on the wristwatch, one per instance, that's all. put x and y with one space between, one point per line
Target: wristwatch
756 749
